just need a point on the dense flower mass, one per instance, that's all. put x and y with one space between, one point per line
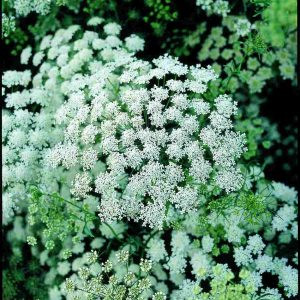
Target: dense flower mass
149 126
27 133
130 175
218 7
144 130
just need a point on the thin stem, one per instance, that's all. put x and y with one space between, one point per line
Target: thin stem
112 230
113 86
150 237
245 7
80 207
235 71
168 102
87 292
75 205
145 117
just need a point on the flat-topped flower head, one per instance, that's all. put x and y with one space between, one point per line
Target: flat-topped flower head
162 143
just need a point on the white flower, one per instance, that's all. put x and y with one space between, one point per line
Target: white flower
288 277
112 28
207 244
201 265
95 21
11 78
200 169
255 244
89 158
81 185
264 263
25 55
105 183
176 264
219 7
284 193
37 58
180 243
170 64
186 199
89 134
132 130
254 280
284 217
63 268
156 250
230 179
243 27
242 256
134 43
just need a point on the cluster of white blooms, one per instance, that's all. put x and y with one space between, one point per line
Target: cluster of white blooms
285 193
285 219
254 259
148 123
94 21
243 256
243 27
12 78
180 244
207 243
257 255
27 130
187 262
8 24
152 150
25 55
139 135
230 222
156 250
134 43
218 7
34 113
288 276
186 291
24 7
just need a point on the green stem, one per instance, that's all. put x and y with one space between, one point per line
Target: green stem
168 102
112 230
235 71
87 291
81 209
145 117
245 7
145 246
75 205
150 237
113 86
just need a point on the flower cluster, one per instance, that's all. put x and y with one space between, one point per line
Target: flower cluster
29 126
141 133
8 24
25 7
133 284
181 267
130 177
26 134
218 7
